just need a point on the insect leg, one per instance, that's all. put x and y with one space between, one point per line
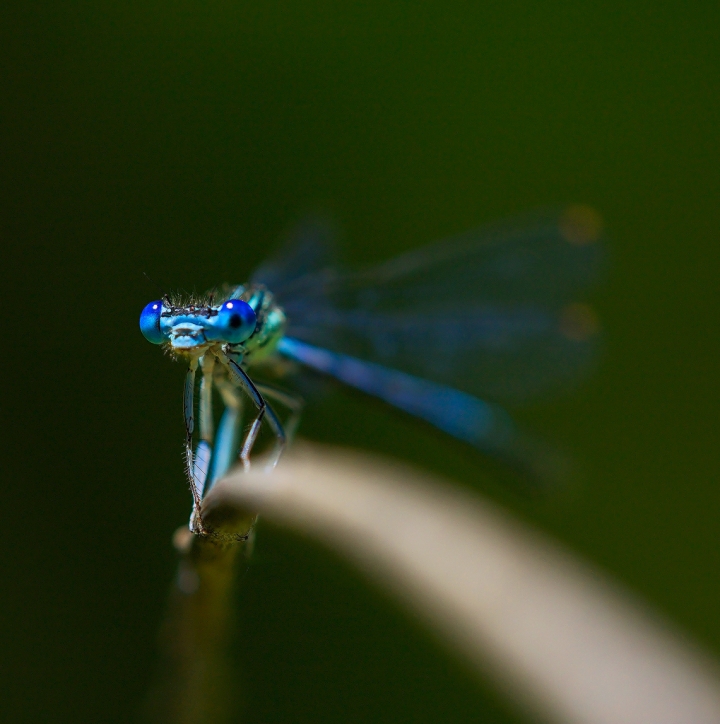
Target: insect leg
189 415
293 402
263 411
204 451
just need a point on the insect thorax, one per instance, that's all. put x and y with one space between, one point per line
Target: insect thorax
270 327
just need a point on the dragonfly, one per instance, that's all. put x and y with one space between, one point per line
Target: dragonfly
450 333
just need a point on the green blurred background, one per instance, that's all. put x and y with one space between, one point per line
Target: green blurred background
183 138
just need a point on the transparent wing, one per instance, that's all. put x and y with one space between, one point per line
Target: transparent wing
307 250
492 312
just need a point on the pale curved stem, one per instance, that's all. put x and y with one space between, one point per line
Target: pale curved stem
552 631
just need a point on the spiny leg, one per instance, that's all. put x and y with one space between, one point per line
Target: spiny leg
280 437
263 411
204 451
189 414
293 402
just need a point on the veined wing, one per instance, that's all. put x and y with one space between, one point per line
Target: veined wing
491 312
307 250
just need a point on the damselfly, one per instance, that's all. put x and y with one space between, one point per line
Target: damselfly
444 333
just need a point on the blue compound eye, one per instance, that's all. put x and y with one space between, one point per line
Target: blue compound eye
150 322
235 321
